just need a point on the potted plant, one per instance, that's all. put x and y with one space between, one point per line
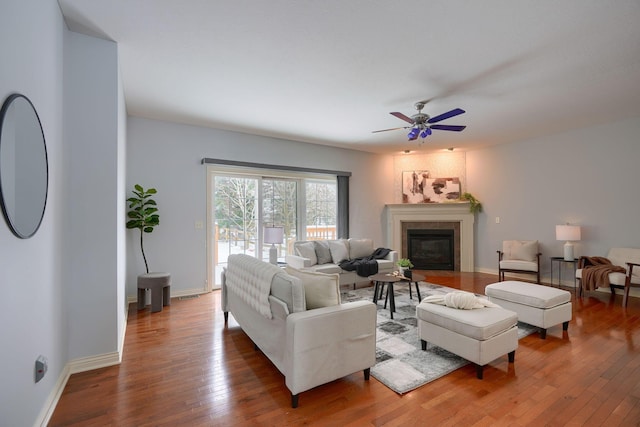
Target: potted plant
143 214
405 265
474 204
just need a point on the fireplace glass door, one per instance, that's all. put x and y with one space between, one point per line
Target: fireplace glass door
431 249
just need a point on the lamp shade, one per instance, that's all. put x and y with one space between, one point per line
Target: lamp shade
273 234
567 232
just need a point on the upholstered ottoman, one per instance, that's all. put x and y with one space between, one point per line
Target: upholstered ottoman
537 305
479 335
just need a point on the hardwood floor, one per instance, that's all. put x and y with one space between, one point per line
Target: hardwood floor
184 367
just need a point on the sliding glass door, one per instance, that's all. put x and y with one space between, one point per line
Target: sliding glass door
241 205
235 215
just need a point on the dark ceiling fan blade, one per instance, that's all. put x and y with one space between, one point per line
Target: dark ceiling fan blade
384 130
443 116
402 117
448 127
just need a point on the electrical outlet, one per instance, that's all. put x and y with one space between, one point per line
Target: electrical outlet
199 225
41 367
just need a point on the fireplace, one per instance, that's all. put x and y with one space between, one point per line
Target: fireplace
431 249
433 216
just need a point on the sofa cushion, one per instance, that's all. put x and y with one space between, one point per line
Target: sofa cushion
289 290
307 250
537 296
524 250
618 279
339 250
359 248
514 264
322 251
320 290
480 324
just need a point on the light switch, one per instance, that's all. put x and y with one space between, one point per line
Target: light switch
199 225
497 220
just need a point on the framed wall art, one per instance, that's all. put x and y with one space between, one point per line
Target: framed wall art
419 187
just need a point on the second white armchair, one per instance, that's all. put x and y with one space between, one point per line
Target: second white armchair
519 256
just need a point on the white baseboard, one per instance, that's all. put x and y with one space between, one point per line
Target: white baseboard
52 401
74 367
174 294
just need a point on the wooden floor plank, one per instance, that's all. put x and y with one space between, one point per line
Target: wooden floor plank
182 366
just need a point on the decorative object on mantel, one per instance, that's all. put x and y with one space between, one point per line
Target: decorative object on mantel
143 214
474 204
418 187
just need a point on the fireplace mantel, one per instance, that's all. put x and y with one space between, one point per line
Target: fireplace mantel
396 214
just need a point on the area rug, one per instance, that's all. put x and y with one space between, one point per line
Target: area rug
401 364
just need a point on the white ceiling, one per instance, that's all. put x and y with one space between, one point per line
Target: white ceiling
329 72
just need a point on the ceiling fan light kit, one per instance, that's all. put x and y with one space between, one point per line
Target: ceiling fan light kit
422 124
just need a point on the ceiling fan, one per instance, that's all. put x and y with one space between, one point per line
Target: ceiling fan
421 124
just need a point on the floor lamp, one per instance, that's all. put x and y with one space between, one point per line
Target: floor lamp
568 233
273 235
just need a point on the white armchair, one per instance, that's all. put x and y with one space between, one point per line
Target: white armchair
519 256
620 269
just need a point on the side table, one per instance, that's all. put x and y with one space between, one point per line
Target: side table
380 280
160 285
560 260
415 279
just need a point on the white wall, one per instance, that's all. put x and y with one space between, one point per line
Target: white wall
588 177
91 138
167 156
63 289
32 307
121 219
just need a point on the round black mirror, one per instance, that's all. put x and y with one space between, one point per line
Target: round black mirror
24 169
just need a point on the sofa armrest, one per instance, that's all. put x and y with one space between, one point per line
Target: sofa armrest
328 343
392 256
296 261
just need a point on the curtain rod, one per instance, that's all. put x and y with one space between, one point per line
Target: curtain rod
210 161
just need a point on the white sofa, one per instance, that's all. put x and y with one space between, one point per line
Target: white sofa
627 259
309 346
323 256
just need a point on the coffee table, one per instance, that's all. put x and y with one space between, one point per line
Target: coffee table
382 279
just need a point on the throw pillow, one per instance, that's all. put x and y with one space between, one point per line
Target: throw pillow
320 290
359 248
523 250
339 250
322 252
307 250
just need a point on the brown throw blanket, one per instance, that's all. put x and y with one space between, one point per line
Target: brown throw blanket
596 273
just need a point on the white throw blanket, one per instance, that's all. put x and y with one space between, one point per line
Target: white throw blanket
250 279
460 299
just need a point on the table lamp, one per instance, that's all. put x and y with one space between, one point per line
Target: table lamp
568 233
273 235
